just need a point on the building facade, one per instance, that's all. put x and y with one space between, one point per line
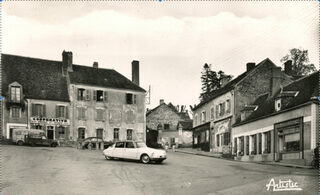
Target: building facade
72 102
172 124
282 127
213 118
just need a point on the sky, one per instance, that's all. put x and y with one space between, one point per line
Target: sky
171 39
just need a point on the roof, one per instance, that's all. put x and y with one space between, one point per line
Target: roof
40 79
182 115
230 85
186 125
307 86
101 77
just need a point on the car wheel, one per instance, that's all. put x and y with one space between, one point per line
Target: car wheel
53 145
20 143
108 157
145 159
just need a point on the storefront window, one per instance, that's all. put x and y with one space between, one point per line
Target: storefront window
242 145
292 142
247 145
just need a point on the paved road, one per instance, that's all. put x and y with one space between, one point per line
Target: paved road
42 170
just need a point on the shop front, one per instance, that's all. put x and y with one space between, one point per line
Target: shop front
55 128
222 131
201 137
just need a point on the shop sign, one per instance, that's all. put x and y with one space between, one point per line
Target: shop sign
49 121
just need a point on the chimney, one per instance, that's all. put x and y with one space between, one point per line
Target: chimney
275 80
224 81
67 60
135 72
250 66
95 65
288 67
161 101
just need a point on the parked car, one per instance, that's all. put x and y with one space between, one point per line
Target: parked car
39 139
92 141
19 135
135 151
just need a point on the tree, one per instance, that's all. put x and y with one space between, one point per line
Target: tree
300 62
211 80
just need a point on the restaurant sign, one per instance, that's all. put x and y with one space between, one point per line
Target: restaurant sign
49 121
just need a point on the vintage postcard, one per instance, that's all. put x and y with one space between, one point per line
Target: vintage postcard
159 97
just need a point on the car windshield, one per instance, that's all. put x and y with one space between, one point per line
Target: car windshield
141 145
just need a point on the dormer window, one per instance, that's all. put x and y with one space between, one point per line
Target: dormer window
277 104
15 93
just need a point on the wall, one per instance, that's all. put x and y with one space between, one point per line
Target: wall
163 115
118 114
256 83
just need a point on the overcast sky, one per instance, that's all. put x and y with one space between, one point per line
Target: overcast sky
172 40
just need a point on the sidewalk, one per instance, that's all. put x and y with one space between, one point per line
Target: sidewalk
217 155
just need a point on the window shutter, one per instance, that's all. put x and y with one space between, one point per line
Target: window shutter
44 110
96 114
94 95
217 110
67 112
105 96
134 99
33 109
57 111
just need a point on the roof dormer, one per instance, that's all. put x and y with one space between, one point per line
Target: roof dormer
284 98
247 110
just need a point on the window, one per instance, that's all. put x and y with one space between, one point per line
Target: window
242 145
235 145
259 143
203 137
15 93
129 145
292 142
37 126
228 106
254 142
267 142
166 126
222 109
61 111
61 131
81 133
100 114
129 134
15 112
81 113
212 112
88 94
81 94
131 98
38 110
119 145
226 138
217 110
99 97
100 133
159 127
278 105
247 145
207 135
218 140
116 134
203 116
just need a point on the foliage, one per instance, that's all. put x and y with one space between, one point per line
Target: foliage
300 62
211 80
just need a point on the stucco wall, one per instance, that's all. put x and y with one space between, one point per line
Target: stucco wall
118 114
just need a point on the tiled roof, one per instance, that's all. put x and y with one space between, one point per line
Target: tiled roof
307 86
101 77
40 79
230 85
182 115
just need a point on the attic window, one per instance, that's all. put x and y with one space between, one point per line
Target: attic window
131 98
15 93
278 105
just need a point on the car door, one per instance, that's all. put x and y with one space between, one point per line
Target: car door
130 150
118 150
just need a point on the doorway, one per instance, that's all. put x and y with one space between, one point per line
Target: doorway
50 132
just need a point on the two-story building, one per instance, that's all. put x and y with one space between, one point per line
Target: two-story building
104 103
280 127
214 117
35 95
172 123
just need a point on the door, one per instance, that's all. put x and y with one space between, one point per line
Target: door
50 132
118 150
130 151
10 133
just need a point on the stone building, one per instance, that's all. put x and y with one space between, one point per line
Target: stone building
72 102
214 117
35 95
172 123
281 126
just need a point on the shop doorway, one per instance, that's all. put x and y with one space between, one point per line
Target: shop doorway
50 132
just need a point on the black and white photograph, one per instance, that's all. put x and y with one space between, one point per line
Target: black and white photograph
159 97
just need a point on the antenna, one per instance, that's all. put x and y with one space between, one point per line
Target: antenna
148 96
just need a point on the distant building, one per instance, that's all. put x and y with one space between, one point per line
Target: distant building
213 118
35 95
72 102
281 127
172 123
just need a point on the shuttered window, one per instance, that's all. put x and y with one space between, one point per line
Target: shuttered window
15 93
81 113
88 95
129 134
116 134
61 111
100 114
100 133
38 110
